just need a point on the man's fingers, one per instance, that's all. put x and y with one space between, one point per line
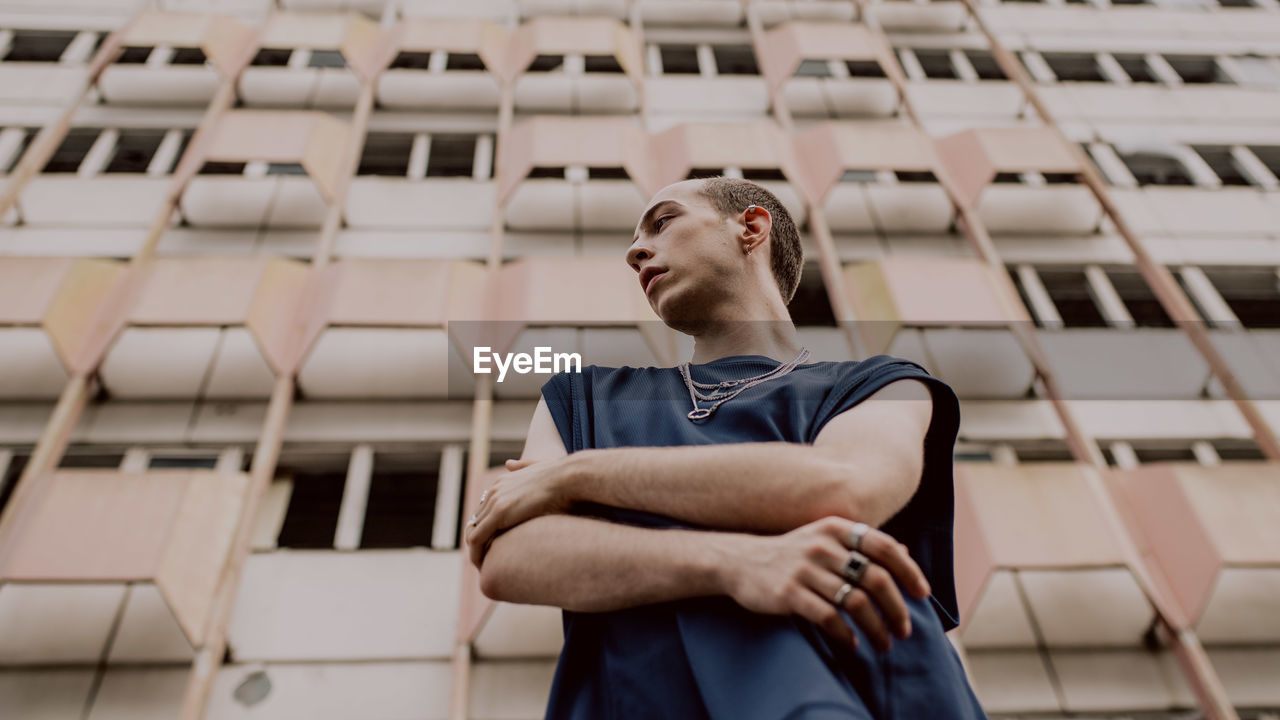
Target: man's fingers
822 613
884 550
880 586
857 603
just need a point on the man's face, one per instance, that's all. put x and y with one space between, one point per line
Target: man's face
687 257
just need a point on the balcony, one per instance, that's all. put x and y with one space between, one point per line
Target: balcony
313 60
830 70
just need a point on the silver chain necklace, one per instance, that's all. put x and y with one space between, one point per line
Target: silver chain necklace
725 391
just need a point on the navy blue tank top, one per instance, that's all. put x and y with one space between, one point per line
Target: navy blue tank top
709 657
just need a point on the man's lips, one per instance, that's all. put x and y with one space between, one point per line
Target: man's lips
653 279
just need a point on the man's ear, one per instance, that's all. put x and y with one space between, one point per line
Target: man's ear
756 223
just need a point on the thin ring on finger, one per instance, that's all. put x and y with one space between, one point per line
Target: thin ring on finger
841 594
855 567
860 530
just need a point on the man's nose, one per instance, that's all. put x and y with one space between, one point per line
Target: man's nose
637 253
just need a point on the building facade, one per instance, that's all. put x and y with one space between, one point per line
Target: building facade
246 244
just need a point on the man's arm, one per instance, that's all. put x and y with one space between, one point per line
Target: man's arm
864 465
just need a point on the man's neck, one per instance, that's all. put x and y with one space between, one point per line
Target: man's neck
774 339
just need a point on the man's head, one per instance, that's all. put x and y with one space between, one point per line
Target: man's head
725 249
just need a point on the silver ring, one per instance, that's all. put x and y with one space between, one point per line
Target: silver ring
856 567
843 593
474 518
859 531
483 495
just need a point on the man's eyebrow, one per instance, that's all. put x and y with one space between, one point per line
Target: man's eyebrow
647 219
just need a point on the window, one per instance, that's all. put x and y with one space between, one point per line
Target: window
1138 299
188 56
28 134
1151 168
735 60
312 517
813 68
601 64
326 58
451 156
1224 166
1197 69
411 61
546 172
69 155
1046 450
679 59
286 169
400 510
202 462
546 63
463 61
984 63
607 173
386 154
1228 449
88 458
1253 294
705 172
1074 67
1135 66
9 478
858 176
134 150
915 176
1270 156
133 55
1154 454
936 64
865 68
811 306
272 57
38 45
222 168
1069 291
763 174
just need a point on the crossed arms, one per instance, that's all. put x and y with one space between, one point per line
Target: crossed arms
773 513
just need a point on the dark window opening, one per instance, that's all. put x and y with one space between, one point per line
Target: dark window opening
451 156
679 59
133 55
1074 67
1135 66
1128 2
915 176
134 150
1022 294
1223 165
760 174
411 61
1236 3
601 64
9 478
312 517
936 64
1253 294
1229 449
1069 291
1164 454
69 155
28 134
858 176
463 61
813 68
985 65
1042 451
286 169
735 60
38 45
546 63
1156 169
1270 156
222 168
697 173
811 306
1061 178
86 458
865 68
273 57
207 462
188 56
1138 299
546 172
326 58
386 154
608 173
1006 178
1197 69
400 510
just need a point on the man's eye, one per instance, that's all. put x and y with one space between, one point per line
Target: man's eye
657 224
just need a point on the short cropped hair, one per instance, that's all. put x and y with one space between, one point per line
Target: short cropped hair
730 196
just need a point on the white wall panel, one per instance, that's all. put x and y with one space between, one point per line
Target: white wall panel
434 203
159 362
45 623
45 694
101 201
360 362
338 691
32 368
145 85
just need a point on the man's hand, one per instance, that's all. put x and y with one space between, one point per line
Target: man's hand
800 572
532 488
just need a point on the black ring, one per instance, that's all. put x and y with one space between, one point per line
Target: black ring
855 567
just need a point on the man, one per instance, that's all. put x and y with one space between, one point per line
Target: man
709 530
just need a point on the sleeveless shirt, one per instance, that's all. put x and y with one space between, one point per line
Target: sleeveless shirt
709 658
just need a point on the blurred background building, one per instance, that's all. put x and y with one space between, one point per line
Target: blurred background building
236 234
